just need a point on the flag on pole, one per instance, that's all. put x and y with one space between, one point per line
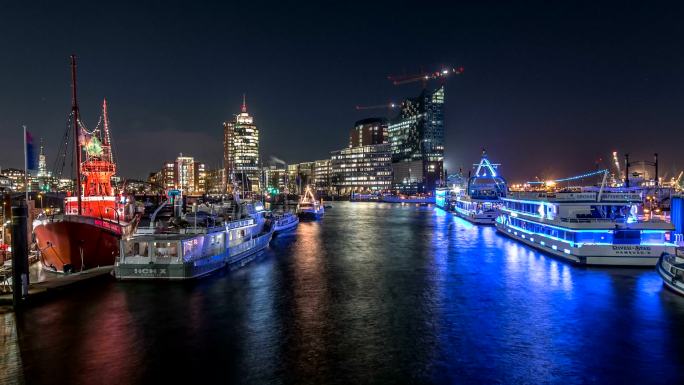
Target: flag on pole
30 151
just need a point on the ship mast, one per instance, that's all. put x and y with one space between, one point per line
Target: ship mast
77 133
106 139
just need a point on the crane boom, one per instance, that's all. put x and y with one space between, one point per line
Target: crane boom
424 76
377 106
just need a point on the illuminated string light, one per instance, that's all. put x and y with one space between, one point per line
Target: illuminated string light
587 175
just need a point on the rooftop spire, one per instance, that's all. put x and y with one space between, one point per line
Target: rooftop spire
244 103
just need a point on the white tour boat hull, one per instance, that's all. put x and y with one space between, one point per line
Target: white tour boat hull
672 275
606 255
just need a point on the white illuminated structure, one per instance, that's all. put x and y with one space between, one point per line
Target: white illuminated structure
241 150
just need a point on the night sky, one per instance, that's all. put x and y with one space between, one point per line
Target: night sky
548 87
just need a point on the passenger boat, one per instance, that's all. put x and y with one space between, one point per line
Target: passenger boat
587 226
420 199
443 198
95 218
670 267
480 202
309 207
192 252
284 221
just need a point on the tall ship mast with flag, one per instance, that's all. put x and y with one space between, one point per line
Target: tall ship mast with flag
95 218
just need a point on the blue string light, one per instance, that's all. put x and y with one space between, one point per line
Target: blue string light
593 173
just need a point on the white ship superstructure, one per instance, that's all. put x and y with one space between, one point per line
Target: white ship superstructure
480 201
192 251
590 226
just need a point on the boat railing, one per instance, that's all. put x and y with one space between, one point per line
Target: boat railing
669 263
626 197
100 222
609 220
592 220
240 223
201 230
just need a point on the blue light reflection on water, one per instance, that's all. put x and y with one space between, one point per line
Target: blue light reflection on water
517 314
372 293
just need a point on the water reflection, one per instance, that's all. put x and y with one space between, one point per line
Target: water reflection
373 293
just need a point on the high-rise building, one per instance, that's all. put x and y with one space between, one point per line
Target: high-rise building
292 180
275 178
368 132
241 151
184 174
214 181
361 169
417 139
321 176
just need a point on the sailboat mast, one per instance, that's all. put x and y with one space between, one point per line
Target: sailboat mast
77 131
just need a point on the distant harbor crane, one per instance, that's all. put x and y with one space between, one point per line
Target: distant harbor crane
389 106
424 76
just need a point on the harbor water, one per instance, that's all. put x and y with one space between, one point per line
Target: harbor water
372 293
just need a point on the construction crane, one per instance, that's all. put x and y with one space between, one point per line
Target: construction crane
389 106
424 76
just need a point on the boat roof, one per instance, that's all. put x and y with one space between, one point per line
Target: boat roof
607 198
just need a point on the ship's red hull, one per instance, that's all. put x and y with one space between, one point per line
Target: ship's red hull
72 243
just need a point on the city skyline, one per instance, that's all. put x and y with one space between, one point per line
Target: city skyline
556 88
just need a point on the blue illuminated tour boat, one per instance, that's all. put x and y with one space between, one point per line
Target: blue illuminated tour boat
480 202
590 226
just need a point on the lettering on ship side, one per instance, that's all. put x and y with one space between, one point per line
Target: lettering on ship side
150 272
632 250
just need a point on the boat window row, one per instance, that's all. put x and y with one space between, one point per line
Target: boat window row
199 247
150 252
525 207
611 237
537 228
477 207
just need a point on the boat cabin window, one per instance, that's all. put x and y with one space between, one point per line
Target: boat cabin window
656 237
165 250
137 249
192 248
627 237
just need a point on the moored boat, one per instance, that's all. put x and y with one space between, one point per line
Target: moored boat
670 267
480 201
284 221
591 226
87 233
420 199
309 207
193 252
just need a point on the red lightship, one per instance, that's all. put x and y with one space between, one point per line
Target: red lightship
87 234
